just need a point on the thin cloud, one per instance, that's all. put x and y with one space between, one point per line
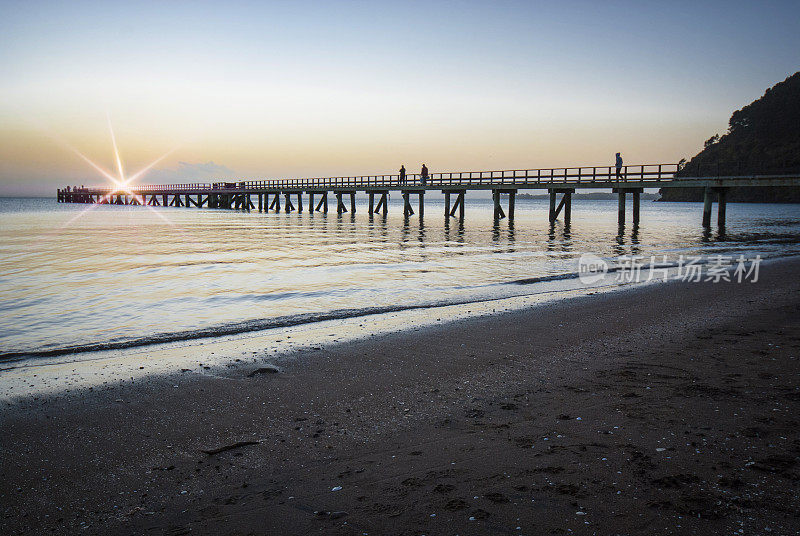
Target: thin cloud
189 172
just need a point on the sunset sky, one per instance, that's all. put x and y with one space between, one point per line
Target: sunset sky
293 89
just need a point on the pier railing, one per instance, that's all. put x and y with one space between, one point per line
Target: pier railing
578 175
647 173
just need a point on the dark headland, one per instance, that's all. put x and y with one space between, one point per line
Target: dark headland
670 409
763 138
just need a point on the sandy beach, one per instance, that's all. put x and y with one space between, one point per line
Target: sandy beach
668 409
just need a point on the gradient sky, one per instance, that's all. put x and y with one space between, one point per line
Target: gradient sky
292 89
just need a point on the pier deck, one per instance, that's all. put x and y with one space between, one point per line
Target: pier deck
561 182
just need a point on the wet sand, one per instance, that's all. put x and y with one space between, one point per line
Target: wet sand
670 409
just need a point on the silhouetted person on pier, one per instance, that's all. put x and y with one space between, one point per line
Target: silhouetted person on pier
403 174
619 166
423 175
67 188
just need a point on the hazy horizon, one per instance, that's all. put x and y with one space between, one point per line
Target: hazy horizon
268 90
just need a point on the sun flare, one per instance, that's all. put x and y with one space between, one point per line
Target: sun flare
119 182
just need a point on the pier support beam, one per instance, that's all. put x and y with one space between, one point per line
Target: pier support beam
323 203
260 202
498 209
299 202
340 208
498 206
288 202
621 193
311 202
371 203
382 205
565 204
458 205
276 202
707 204
408 210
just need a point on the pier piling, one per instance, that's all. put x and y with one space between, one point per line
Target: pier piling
707 204
382 202
721 209
565 204
407 210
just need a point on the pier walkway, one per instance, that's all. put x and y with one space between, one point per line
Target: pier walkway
560 183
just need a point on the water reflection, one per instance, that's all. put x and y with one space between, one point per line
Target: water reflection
624 244
559 237
710 236
459 231
207 267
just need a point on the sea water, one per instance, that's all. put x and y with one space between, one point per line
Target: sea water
82 278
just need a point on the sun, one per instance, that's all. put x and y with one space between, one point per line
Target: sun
120 183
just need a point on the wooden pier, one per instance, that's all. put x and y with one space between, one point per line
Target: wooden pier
560 183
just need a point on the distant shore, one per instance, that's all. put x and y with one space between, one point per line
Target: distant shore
671 407
593 196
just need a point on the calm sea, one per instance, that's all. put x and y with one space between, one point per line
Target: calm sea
78 279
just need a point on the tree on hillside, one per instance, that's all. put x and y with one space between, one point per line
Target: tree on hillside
762 137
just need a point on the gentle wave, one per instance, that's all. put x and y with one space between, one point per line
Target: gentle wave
248 326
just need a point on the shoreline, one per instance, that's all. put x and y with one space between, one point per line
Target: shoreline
678 386
88 369
232 348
